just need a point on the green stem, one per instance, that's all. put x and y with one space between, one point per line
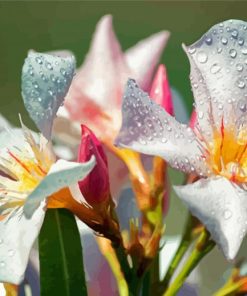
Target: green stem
230 288
146 284
122 259
203 246
183 247
116 269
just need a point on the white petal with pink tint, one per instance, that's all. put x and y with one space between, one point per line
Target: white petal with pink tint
221 206
104 70
144 56
148 129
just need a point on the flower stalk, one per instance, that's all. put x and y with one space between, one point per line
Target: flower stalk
202 247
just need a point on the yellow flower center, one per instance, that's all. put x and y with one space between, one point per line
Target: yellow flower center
227 154
24 167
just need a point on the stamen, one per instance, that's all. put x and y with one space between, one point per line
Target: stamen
19 161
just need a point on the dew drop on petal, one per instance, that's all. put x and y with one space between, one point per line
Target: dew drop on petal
239 67
233 53
227 214
220 107
208 40
2 264
11 253
202 57
38 60
200 114
244 50
215 68
224 40
240 83
234 33
192 50
219 49
241 41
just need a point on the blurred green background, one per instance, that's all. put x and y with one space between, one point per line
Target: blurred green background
46 26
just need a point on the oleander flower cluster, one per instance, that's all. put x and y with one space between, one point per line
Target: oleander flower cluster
98 167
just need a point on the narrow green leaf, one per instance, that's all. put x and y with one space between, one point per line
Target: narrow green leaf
60 254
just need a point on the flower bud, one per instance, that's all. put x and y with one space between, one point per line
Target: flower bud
161 93
95 187
160 90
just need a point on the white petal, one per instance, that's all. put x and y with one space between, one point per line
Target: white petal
222 207
45 82
17 235
144 57
220 58
149 129
203 107
62 174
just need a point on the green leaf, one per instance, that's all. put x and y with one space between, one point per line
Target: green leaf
60 254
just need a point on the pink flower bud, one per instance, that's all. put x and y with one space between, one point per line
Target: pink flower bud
95 187
193 119
160 90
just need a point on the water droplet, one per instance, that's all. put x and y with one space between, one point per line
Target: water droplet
241 41
220 107
234 33
202 57
1 241
239 67
224 40
200 114
240 83
233 53
208 40
38 60
242 105
142 141
227 214
244 50
2 264
63 72
219 49
35 84
163 140
192 50
50 92
215 68
49 66
11 253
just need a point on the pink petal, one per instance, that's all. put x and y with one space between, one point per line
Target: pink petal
104 71
160 90
144 57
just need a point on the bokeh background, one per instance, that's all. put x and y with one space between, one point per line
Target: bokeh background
46 26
